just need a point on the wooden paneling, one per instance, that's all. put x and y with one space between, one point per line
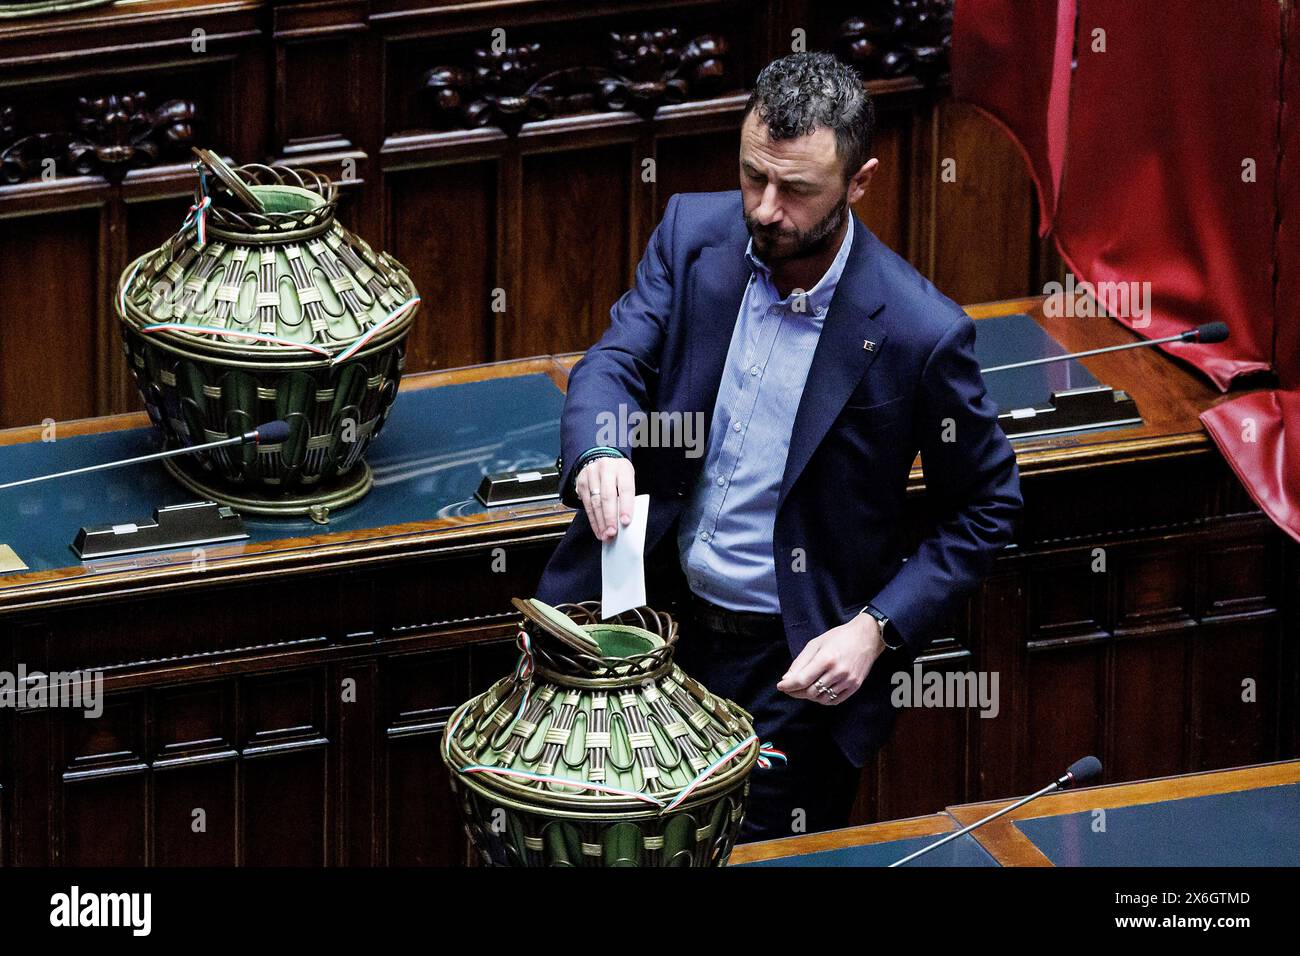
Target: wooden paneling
195 814
884 207
1168 657
1163 697
1067 598
1237 686
327 70
420 691
95 830
984 219
276 785
443 228
1064 711
585 202
1149 694
56 265
555 214
924 761
194 784
706 162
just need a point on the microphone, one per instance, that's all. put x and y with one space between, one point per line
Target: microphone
1083 771
272 433
1207 334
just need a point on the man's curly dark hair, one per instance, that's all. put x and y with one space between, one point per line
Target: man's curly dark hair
804 91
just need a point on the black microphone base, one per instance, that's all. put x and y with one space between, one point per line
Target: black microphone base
1072 410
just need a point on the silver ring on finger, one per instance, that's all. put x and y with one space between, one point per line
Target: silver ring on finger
821 688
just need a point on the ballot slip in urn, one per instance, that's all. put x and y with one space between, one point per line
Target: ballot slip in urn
598 750
263 307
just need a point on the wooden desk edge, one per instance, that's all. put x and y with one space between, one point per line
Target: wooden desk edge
280 558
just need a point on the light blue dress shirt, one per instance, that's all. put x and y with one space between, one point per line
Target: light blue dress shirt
725 538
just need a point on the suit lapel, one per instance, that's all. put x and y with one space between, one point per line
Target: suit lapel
720 276
841 358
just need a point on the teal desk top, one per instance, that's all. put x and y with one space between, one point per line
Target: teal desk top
963 851
1243 828
435 447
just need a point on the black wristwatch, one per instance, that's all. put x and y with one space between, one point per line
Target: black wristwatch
885 629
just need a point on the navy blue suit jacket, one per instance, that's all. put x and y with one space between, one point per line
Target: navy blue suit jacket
893 373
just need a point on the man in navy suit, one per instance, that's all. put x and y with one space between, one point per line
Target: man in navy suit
817 363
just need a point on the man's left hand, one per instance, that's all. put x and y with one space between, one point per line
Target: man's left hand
840 659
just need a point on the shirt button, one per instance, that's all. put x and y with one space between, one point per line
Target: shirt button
721 481
704 536
753 370
735 427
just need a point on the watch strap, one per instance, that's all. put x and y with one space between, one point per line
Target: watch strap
886 632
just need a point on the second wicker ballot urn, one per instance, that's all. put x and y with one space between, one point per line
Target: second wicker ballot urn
599 751
262 307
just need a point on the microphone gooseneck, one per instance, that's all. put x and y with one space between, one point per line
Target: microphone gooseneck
1207 334
269 434
1083 771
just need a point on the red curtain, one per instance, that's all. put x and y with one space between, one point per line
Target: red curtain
1173 171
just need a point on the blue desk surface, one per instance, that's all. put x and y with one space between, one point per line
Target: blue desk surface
1006 339
427 462
963 851
1243 828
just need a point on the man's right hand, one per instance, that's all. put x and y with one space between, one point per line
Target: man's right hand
607 488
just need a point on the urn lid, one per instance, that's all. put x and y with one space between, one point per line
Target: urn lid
559 625
621 729
260 269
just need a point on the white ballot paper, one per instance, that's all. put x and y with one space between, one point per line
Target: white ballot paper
622 563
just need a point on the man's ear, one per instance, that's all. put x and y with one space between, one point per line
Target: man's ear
861 179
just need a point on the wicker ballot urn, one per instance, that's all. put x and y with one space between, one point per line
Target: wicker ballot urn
599 751
262 308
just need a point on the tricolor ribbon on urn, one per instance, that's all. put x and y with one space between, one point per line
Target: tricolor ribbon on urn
767 752
198 213
524 670
375 329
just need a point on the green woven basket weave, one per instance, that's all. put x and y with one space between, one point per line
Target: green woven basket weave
599 750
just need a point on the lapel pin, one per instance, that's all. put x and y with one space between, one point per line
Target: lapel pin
869 345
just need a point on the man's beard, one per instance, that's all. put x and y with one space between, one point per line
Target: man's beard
806 244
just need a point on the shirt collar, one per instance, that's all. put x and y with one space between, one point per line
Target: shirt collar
820 295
